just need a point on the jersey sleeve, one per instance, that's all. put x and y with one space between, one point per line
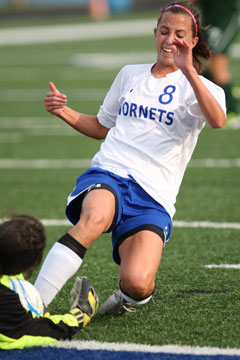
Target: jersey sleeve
109 109
20 329
218 93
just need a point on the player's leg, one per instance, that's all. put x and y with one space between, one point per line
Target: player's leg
98 211
138 241
140 256
66 255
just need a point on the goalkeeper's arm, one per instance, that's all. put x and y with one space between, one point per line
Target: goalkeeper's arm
19 329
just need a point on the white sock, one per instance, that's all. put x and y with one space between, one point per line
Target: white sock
60 265
135 302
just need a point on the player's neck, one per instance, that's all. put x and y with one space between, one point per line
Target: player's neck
159 71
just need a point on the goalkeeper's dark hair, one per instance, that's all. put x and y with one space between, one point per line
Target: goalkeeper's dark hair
202 50
22 241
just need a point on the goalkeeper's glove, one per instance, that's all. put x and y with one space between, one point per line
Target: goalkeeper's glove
83 301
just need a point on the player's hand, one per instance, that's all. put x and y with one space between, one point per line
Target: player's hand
54 100
83 300
182 54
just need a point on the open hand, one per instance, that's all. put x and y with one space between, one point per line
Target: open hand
182 55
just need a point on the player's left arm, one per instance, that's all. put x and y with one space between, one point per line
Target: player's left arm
209 106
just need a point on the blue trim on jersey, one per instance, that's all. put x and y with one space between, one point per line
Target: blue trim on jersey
13 285
30 307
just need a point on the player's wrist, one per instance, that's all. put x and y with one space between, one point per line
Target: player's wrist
190 72
82 318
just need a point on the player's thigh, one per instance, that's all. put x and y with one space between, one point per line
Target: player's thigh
99 203
97 214
140 257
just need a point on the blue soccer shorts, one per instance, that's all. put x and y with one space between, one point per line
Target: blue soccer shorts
135 209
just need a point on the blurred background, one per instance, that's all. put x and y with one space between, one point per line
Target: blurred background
80 45
222 33
81 6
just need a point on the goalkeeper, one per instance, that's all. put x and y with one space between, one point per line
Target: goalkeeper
22 241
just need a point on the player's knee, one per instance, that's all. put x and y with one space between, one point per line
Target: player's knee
94 221
138 286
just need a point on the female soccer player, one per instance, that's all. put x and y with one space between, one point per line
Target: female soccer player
22 240
150 119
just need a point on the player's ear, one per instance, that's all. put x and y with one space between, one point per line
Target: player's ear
195 41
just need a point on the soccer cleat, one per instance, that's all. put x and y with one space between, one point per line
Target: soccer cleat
115 305
84 297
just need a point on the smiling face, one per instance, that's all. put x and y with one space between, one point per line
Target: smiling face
172 26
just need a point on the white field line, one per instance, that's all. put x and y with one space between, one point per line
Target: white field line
180 224
76 32
93 61
223 266
32 124
206 224
44 164
9 137
112 61
172 349
83 32
31 74
176 223
215 163
83 163
6 138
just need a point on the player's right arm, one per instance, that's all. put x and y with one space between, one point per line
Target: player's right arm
56 104
20 329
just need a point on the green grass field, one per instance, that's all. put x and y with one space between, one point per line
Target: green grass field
192 305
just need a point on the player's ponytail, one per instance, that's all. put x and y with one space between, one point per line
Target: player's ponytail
202 50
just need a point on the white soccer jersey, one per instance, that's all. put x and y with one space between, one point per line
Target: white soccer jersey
154 125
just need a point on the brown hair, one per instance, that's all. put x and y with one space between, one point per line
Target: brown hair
22 240
202 49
